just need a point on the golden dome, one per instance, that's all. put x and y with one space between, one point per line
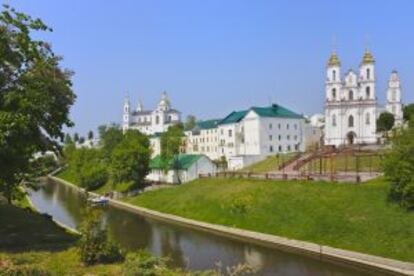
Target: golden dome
368 57
334 60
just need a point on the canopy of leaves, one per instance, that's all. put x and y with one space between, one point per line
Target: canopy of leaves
171 142
35 97
385 122
399 168
110 137
408 112
130 159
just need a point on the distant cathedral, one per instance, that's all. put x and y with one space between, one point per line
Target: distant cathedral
351 108
150 122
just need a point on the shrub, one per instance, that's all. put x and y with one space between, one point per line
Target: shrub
241 204
93 176
144 264
94 245
399 168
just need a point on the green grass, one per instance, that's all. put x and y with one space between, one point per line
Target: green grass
269 164
25 229
354 217
343 163
68 175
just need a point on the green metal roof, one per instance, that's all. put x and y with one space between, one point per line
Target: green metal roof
234 117
208 124
184 161
274 110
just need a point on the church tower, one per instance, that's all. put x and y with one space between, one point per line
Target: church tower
367 77
394 103
126 115
333 78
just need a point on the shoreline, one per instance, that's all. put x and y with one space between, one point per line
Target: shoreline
357 260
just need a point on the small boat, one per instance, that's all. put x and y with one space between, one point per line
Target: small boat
99 200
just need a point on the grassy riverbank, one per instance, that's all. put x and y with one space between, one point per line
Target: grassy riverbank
354 217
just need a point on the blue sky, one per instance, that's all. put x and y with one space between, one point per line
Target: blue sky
213 57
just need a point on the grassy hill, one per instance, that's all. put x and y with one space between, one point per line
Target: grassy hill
354 217
269 164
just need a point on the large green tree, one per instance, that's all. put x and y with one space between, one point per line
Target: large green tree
130 159
35 97
399 167
171 143
408 112
385 122
110 137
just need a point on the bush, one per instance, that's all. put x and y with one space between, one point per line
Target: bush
93 176
144 264
94 245
241 204
399 168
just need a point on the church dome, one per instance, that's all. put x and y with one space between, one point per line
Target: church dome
368 58
334 60
164 103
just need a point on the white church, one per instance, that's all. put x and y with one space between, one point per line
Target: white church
150 122
351 106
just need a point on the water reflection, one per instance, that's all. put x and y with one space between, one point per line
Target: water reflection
186 247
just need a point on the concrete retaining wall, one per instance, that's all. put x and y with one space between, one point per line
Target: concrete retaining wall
363 261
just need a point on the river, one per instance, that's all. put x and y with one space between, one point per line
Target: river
188 248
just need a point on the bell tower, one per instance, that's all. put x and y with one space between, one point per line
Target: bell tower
394 103
126 114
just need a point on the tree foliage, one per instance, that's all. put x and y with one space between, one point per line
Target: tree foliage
110 137
130 159
171 142
408 112
94 244
190 122
399 168
35 97
385 122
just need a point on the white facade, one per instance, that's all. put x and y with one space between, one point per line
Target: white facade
150 122
202 166
394 102
351 107
203 139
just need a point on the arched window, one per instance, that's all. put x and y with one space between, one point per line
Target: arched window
334 120
334 94
351 95
351 121
334 75
393 95
367 119
157 119
368 92
368 73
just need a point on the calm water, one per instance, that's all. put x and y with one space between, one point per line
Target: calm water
191 249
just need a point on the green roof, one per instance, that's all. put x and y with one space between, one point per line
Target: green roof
234 117
274 110
185 161
208 124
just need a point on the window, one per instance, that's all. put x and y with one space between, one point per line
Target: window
287 126
334 94
222 132
334 120
351 121
394 95
288 148
230 133
270 126
367 119
280 137
271 149
296 147
368 73
296 138
157 119
278 126
351 95
296 126
288 137
334 75
270 137
280 148
368 92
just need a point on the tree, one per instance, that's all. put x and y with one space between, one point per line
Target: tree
385 122
90 135
399 168
68 140
35 98
190 122
408 112
130 159
76 137
171 142
110 137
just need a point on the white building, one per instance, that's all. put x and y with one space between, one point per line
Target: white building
351 107
150 121
247 136
189 167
